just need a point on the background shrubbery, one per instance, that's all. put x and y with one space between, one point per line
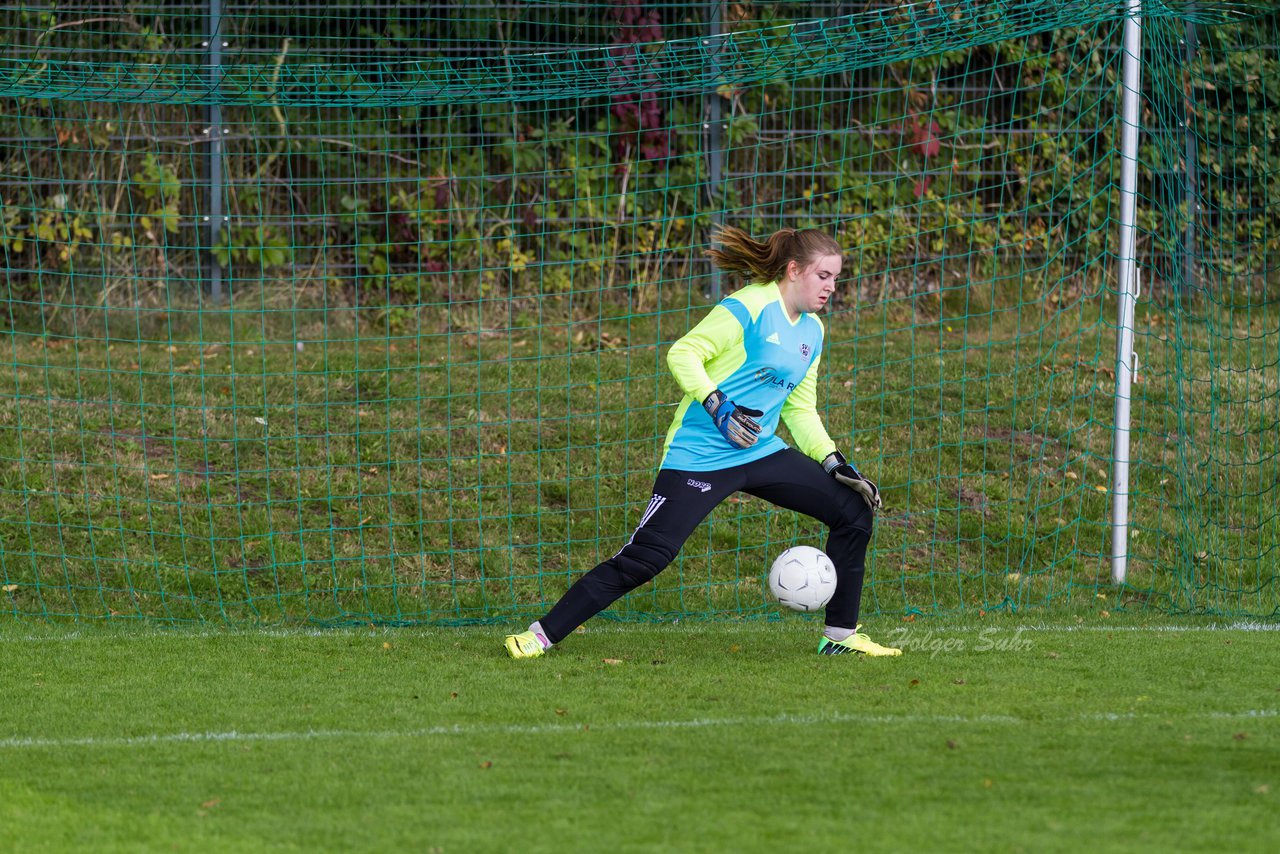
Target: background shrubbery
937 166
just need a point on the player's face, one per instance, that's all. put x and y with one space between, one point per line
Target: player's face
813 286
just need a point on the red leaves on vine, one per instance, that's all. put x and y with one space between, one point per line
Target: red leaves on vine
637 24
923 136
640 114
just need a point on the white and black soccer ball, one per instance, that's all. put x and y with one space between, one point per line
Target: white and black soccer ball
803 578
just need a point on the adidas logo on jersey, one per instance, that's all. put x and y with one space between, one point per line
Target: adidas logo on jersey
773 339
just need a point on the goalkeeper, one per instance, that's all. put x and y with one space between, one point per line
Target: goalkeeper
752 360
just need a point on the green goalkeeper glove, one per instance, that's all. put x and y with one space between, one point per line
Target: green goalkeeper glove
842 470
736 423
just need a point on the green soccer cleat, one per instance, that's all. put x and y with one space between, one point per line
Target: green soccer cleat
524 645
856 642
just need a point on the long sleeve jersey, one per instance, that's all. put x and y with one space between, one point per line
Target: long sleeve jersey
749 348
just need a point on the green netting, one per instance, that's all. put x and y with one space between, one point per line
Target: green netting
359 312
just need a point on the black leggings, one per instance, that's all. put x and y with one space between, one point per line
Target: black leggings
682 499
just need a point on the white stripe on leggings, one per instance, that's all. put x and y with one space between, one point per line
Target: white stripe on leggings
654 503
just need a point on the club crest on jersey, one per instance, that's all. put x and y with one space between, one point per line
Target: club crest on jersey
804 350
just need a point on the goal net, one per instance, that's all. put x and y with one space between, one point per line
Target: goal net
349 313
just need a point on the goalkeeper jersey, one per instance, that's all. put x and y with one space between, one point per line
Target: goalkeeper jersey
751 350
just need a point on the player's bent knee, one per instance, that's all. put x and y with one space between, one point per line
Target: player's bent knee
644 557
855 514
639 565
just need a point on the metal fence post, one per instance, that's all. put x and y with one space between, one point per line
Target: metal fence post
213 219
1191 176
715 133
1131 89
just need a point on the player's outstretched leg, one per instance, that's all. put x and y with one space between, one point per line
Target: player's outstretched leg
681 500
858 643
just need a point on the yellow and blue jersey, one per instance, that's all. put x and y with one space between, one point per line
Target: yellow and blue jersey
749 348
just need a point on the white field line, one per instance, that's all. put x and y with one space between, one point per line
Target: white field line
607 628
233 736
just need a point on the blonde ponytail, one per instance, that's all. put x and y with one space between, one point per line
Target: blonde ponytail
745 256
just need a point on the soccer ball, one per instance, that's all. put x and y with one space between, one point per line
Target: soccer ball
803 578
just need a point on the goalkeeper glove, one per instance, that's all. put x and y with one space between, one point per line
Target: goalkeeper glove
736 423
842 470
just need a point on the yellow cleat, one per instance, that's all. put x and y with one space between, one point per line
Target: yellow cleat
523 645
856 642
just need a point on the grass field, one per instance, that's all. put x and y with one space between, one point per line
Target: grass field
270 463
269 470
988 734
